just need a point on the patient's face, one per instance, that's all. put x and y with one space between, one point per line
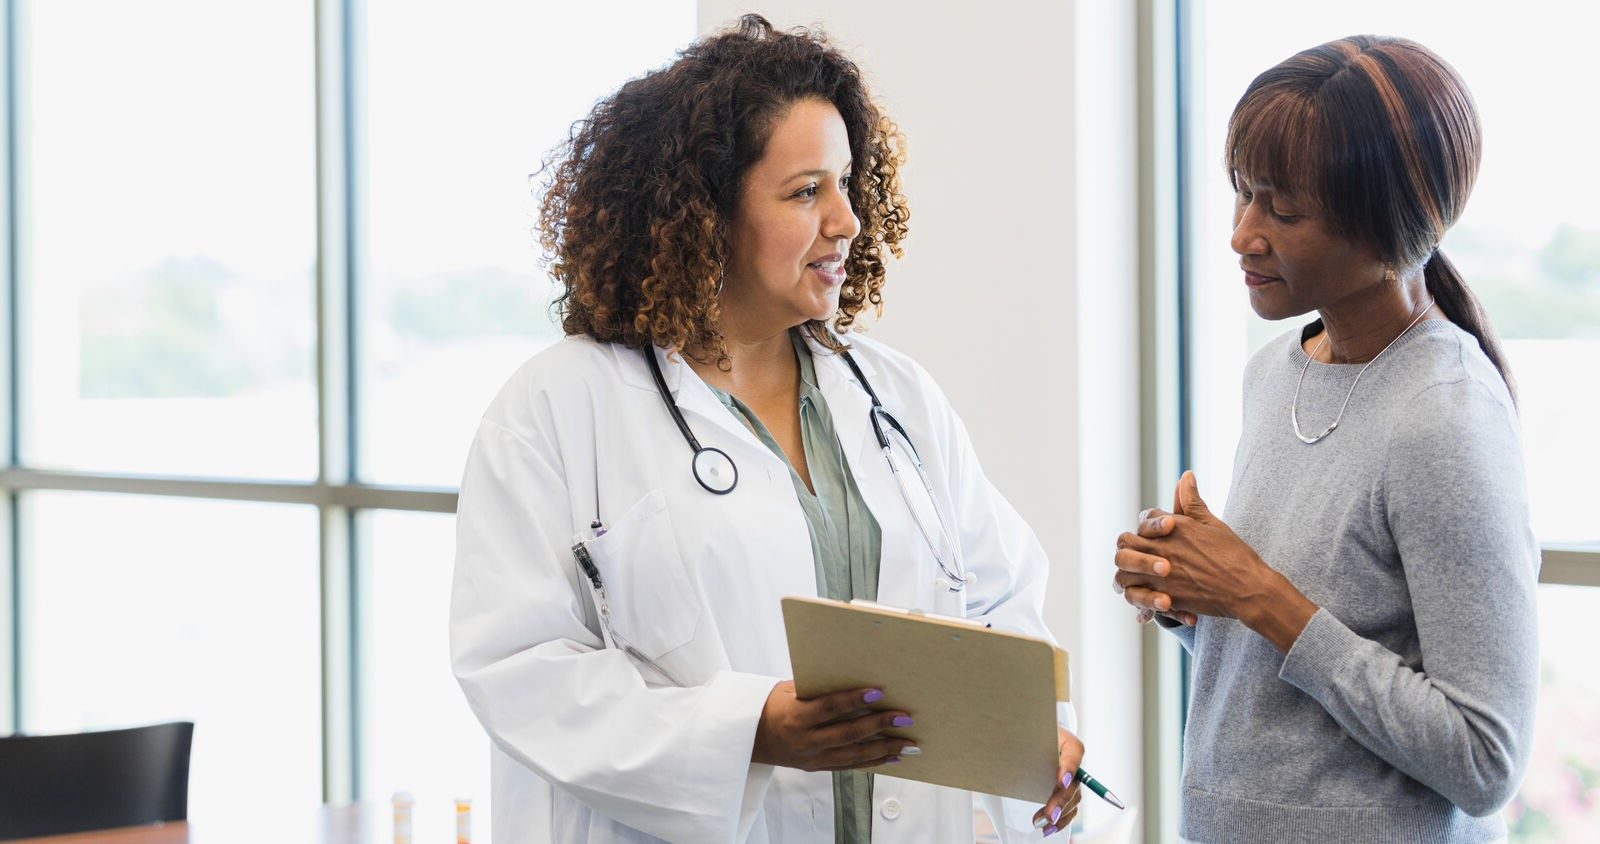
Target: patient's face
1293 262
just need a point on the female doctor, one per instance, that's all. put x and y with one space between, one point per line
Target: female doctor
641 495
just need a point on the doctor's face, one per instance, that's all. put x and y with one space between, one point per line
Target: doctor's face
794 225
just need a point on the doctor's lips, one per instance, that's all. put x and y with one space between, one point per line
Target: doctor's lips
831 266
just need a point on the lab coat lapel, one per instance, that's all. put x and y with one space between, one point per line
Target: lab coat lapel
700 407
848 405
899 580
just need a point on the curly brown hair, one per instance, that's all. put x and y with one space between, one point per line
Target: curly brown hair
635 216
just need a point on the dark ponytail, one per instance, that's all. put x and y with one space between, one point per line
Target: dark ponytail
1384 136
1453 297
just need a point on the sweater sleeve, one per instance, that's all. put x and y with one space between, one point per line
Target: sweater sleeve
1459 721
1184 632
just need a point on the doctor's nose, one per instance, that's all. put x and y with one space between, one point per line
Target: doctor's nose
840 221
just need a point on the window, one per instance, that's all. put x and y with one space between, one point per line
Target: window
420 735
168 238
1528 245
271 263
456 298
141 609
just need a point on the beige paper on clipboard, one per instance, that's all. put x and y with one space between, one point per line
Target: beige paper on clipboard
984 701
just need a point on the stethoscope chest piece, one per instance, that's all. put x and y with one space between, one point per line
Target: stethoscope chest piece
715 470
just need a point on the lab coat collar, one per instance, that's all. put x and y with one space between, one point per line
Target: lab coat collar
693 397
848 402
636 374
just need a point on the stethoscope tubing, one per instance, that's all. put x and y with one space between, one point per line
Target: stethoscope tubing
700 452
958 578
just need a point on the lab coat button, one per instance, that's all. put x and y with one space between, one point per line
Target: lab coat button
891 808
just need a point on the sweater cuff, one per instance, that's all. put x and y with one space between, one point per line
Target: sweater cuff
1320 655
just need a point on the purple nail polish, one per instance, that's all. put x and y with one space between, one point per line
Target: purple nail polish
1055 815
892 760
1066 780
872 696
901 721
1049 831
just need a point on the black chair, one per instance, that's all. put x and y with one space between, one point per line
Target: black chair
53 785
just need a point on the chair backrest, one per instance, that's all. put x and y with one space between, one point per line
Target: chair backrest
52 785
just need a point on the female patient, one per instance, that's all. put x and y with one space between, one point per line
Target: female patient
1362 623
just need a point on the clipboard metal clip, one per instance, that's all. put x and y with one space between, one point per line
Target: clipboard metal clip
874 605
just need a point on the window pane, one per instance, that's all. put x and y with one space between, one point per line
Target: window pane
418 734
1528 244
1560 799
142 609
456 298
169 237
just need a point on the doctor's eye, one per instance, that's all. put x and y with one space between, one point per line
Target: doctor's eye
807 192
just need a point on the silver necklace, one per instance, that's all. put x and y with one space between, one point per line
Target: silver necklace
1294 405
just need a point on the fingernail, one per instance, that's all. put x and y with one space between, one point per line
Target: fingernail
911 750
1049 831
1055 815
892 760
872 696
1144 514
1038 823
1066 780
1163 523
901 721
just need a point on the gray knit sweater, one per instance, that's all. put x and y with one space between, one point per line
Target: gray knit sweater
1403 712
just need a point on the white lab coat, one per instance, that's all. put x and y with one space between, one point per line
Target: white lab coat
591 747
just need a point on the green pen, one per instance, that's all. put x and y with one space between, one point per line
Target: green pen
1095 786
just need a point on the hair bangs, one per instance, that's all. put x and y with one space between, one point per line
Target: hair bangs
1276 138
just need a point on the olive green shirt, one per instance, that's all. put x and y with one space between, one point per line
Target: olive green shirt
845 545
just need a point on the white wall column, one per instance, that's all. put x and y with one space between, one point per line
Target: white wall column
1019 288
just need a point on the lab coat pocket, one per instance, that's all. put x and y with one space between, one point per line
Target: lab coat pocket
653 603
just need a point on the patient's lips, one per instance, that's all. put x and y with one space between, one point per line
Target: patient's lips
1255 279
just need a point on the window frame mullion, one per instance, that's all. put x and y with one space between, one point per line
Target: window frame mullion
335 265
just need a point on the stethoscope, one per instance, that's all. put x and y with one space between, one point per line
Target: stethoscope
715 471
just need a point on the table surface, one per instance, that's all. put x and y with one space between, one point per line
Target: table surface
353 824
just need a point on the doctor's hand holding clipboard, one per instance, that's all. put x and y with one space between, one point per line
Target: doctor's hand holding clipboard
840 731
709 438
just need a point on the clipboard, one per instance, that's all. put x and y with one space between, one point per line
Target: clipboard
984 700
